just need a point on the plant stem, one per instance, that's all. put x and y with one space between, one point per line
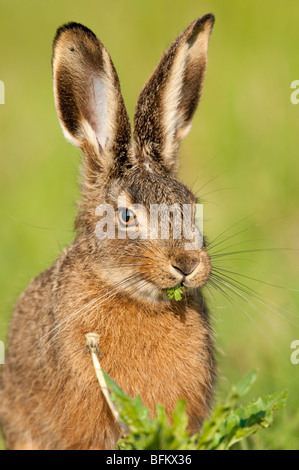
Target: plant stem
92 343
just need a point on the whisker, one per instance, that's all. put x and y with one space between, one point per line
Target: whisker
216 286
220 270
229 228
82 310
233 301
139 256
275 309
142 283
256 250
129 266
231 286
251 240
16 219
217 191
210 181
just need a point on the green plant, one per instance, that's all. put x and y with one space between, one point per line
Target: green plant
227 425
175 292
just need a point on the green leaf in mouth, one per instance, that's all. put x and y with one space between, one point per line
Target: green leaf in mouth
175 292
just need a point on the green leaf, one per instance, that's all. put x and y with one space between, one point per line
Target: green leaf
245 384
245 421
175 292
241 388
132 411
226 426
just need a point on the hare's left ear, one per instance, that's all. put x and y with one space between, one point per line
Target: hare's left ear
168 101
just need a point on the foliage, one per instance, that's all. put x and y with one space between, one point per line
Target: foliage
175 292
227 425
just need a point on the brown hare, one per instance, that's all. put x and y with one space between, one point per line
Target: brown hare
151 345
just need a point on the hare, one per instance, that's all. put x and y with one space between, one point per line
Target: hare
151 345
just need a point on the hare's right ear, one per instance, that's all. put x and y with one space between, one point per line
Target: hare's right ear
88 99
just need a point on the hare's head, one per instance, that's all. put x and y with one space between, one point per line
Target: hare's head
136 223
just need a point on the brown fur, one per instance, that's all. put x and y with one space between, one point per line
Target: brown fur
159 349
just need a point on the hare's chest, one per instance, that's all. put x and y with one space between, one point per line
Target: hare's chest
162 358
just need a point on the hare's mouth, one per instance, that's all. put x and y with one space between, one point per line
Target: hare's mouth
175 283
177 292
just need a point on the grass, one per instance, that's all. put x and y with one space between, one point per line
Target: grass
241 156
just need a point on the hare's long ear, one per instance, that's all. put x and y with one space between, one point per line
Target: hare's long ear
169 99
88 99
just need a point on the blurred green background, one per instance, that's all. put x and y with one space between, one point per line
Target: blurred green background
241 155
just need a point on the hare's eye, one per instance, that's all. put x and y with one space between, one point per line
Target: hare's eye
126 216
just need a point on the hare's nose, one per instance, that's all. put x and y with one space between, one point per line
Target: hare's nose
185 264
